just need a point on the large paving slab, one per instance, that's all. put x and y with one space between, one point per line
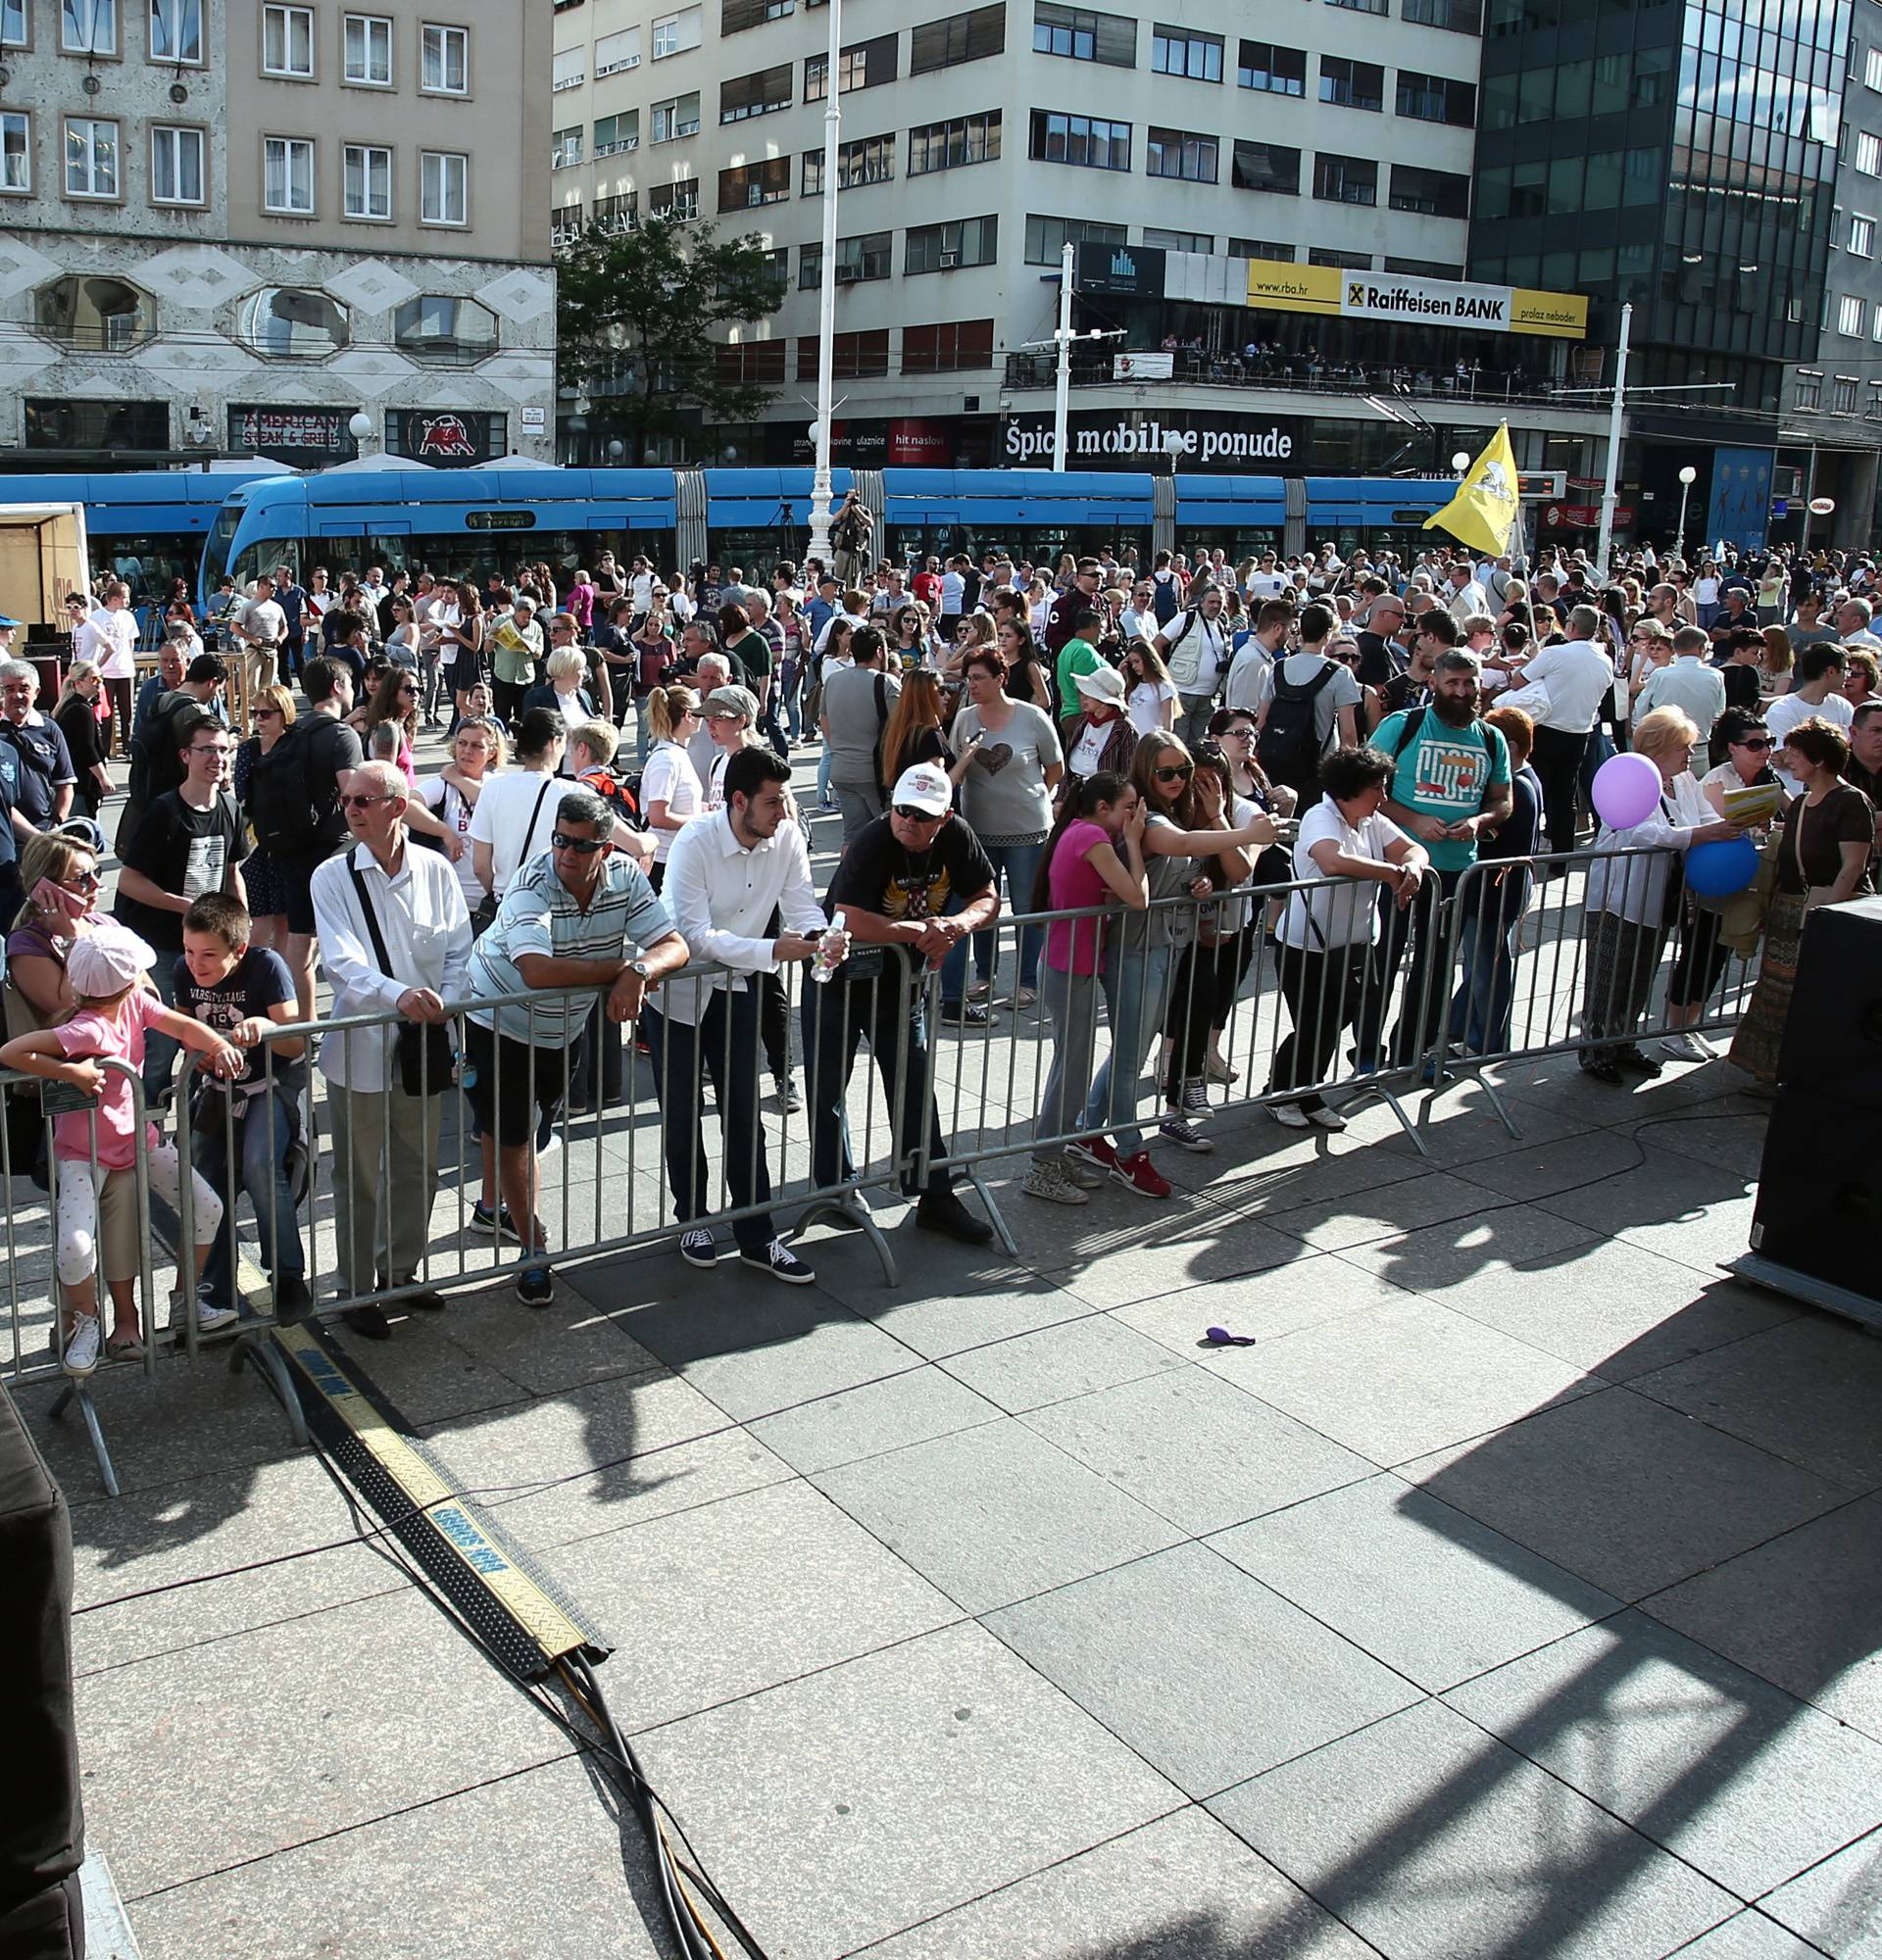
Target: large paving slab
1838 1904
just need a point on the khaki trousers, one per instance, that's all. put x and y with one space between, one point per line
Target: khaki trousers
386 1177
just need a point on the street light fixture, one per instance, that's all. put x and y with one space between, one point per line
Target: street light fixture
1688 476
1460 460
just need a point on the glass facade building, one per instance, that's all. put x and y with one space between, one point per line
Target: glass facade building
1680 157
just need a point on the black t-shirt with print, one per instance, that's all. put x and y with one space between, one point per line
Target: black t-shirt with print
882 875
185 852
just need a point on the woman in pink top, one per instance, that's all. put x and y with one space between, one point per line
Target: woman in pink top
1093 855
581 600
106 968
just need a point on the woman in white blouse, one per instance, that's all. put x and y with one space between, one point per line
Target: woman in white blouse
671 792
1632 900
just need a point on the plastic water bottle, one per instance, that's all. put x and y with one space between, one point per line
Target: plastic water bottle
829 949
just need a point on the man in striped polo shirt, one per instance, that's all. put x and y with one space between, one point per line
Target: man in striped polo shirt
566 920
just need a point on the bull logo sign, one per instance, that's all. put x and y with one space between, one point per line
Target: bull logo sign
444 435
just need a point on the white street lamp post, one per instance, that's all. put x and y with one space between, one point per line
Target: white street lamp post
1688 476
1615 414
819 544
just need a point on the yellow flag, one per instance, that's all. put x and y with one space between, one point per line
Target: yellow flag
1483 513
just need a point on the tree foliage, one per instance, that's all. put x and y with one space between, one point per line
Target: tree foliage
642 315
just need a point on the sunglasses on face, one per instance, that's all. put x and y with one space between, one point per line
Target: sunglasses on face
1753 742
1176 775
583 847
908 812
362 802
84 881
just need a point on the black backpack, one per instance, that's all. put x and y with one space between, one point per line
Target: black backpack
1289 750
283 811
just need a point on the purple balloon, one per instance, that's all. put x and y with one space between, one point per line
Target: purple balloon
1628 791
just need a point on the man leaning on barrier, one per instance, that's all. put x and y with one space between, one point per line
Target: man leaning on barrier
566 921
897 878
385 1138
728 874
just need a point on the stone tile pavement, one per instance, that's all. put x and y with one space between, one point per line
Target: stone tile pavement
1516 1596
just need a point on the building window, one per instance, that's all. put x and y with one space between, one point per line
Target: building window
367 50
1843 395
92 157
1084 36
1346 179
735 16
810 268
1048 237
961 37
450 436
177 157
444 187
1350 262
365 181
868 64
1262 248
1461 16
88 26
616 52
99 314
749 363
442 329
1274 69
862 257
1362 6
617 134
177 32
1438 269
618 214
444 66
568 148
1270 167
1352 85
1180 153
1809 391
1085 140
287 176
949 347
675 34
869 161
947 146
674 199
1875 329
287 42
570 70
566 223
1435 98
674 119
1851 316
1435 193
1872 68
1869 154
1862 237
759 94
110 428
943 248
294 324
749 185
852 356
1181 51
15 150
12 24
1179 241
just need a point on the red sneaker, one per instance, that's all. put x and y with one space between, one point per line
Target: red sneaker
1097 1152
1140 1174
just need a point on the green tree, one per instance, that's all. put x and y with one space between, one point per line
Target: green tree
641 317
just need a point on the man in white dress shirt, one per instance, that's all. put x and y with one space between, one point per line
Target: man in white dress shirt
1573 680
727 875
1464 595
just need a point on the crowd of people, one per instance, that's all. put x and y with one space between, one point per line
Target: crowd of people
1343 766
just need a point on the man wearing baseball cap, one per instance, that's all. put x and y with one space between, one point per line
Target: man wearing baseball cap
897 879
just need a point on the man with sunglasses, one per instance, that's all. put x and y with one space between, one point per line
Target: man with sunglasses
566 920
190 840
896 881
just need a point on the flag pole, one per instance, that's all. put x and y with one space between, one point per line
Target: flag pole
1605 543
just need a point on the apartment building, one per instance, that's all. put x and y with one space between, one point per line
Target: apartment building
234 225
1221 184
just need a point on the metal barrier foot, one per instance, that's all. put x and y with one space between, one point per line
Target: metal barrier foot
76 1392
1372 1086
995 1217
1454 1075
857 1215
256 1346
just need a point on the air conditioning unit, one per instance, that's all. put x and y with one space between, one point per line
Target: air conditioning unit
950 260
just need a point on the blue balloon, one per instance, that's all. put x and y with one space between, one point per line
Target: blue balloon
1716 870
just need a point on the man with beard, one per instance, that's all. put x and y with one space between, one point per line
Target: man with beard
1450 784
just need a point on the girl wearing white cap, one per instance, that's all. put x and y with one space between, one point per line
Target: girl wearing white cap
106 968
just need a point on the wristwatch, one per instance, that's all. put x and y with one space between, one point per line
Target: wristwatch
642 967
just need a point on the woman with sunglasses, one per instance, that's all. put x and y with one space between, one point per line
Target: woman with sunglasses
394 702
58 875
1137 958
271 713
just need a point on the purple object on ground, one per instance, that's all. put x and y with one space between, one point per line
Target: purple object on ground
1221 1337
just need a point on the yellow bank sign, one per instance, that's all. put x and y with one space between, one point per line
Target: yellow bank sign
1337 294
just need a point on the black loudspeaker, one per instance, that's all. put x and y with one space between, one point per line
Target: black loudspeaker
1816 1231
41 1822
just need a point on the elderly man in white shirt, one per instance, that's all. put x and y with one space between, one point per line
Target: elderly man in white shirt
1464 595
1562 689
727 874
385 1138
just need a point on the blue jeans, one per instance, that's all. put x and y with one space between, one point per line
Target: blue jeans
1480 1009
159 1050
1016 863
271 1123
1133 984
824 776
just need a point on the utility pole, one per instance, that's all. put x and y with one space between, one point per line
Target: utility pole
1062 401
820 541
1615 412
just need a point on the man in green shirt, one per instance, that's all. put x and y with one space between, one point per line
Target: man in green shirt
1079 656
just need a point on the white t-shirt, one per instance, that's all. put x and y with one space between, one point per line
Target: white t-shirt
1147 699
1578 675
670 778
1788 711
444 802
1347 913
110 639
503 819
1087 758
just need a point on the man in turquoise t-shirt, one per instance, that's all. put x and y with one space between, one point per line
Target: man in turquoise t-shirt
1450 782
1077 655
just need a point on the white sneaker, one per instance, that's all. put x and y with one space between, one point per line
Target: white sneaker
1048 1179
209 1319
1688 1047
1289 1115
1327 1119
82 1349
